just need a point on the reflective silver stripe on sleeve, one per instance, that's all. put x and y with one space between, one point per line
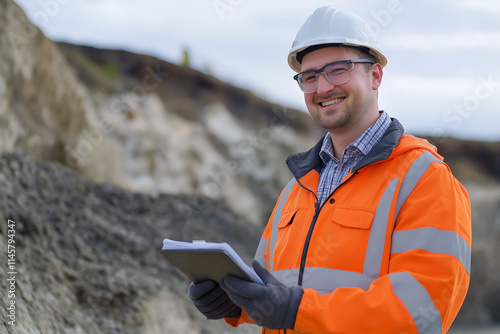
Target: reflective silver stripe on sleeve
276 220
261 251
433 240
376 241
413 295
413 175
324 280
418 302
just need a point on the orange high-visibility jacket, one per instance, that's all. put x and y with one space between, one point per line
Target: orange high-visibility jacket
388 251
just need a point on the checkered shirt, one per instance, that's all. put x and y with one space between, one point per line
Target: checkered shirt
334 170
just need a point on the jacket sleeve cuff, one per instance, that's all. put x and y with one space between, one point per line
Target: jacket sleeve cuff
243 319
303 322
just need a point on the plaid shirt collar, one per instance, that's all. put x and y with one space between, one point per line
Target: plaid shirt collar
360 146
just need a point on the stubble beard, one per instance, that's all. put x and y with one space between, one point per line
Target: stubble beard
336 121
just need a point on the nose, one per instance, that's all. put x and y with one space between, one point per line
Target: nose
324 85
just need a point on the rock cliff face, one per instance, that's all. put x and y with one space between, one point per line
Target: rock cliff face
175 130
42 102
106 152
87 255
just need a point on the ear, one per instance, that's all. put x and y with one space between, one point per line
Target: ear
376 75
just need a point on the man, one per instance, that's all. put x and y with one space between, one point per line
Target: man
373 233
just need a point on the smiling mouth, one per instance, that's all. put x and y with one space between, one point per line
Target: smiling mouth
332 101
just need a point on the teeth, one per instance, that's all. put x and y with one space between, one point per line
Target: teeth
329 103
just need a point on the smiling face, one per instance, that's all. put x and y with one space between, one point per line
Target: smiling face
350 107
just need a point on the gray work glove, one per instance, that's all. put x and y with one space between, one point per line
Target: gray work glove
212 301
272 305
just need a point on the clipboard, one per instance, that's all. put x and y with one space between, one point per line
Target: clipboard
200 260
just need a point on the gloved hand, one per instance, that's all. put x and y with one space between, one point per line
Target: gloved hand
212 301
272 305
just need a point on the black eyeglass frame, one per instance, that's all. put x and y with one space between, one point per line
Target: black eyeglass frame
321 70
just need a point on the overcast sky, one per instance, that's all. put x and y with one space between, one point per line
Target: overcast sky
442 77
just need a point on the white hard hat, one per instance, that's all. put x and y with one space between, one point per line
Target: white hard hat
328 25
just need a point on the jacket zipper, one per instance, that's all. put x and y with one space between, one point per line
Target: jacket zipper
306 243
317 210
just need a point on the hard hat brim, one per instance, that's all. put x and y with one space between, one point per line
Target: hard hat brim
295 64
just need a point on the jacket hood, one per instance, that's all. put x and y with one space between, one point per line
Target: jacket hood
409 142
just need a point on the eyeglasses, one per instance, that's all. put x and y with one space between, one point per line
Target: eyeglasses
336 73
